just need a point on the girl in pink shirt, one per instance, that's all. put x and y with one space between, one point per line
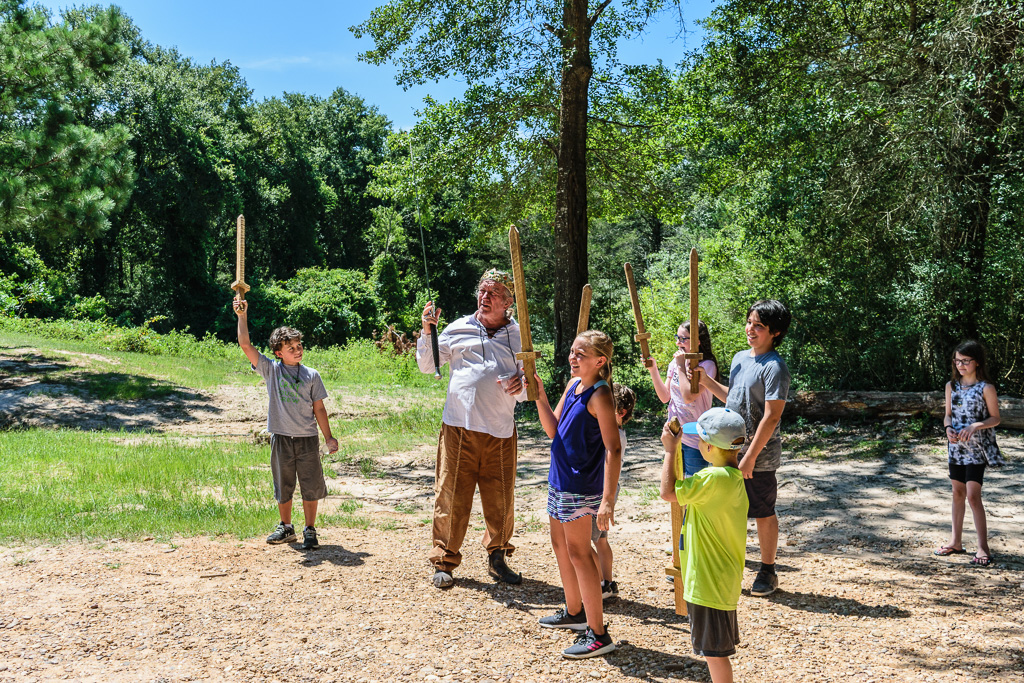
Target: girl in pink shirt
675 390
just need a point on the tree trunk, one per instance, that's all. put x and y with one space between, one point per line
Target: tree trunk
889 404
571 271
981 161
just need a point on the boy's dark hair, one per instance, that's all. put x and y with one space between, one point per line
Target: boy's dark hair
283 335
774 315
974 350
625 400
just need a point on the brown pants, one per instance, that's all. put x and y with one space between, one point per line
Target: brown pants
466 459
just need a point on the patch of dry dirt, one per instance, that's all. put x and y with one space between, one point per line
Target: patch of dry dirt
861 597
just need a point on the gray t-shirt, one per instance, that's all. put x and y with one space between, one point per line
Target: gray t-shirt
752 381
292 390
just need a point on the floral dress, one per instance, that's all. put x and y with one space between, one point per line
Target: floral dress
967 405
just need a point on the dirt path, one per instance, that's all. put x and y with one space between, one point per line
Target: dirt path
861 597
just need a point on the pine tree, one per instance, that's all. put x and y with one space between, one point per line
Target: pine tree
61 173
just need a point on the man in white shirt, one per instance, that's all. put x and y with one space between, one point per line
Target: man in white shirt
477 444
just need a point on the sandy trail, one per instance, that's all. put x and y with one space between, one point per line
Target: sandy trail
861 596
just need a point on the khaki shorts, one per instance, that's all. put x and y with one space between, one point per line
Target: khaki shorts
297 458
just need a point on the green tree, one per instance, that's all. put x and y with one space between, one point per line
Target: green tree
519 136
306 181
168 250
870 154
60 174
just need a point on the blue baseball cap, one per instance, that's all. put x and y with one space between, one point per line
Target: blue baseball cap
720 427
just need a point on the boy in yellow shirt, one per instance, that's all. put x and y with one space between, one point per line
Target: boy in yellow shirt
715 534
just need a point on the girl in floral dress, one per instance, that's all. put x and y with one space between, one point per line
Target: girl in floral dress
972 412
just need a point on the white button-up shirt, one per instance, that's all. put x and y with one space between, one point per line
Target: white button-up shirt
475 398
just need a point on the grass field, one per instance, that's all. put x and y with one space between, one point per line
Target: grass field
62 484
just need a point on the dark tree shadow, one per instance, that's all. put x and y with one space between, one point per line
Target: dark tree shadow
656 664
43 390
827 604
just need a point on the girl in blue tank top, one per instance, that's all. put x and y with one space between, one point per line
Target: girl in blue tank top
586 457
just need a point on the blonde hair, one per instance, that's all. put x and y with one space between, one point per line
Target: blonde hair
601 344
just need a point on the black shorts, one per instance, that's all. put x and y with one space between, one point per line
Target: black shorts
713 632
966 473
762 490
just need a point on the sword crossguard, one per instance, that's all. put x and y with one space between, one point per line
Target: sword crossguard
694 359
528 355
240 287
642 337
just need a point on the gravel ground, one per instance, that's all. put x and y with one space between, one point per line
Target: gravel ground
861 597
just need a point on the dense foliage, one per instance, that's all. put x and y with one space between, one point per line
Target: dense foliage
860 161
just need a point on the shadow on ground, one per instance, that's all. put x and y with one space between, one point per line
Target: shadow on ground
39 390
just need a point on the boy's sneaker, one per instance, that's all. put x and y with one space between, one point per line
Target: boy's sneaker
562 619
589 644
764 584
609 590
284 533
309 540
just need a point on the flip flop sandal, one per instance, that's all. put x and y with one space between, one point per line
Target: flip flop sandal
981 560
946 550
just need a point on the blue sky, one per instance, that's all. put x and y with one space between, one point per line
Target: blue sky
305 45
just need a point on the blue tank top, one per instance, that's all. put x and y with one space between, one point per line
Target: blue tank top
577 451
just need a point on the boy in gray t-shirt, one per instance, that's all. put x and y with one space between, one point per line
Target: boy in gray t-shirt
296 407
758 386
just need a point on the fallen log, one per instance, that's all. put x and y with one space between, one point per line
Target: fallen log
889 404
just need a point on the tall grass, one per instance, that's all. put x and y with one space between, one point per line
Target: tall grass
77 485
206 362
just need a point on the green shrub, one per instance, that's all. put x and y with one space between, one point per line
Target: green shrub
8 298
89 308
330 306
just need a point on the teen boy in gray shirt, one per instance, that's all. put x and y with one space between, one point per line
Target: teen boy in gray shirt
295 409
758 386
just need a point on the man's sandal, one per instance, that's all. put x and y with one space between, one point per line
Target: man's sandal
981 560
947 550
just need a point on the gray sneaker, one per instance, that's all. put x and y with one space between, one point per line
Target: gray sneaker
309 540
284 533
765 583
589 644
562 619
442 579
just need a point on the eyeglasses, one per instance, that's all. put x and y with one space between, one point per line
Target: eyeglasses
681 338
963 362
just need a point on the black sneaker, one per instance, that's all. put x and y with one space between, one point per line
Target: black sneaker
309 540
765 583
562 619
498 568
589 644
284 533
609 590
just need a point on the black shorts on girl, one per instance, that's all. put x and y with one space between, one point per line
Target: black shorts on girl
966 473
713 632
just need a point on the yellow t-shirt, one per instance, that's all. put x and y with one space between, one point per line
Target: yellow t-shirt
715 535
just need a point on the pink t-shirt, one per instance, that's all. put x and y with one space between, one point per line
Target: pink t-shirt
688 412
